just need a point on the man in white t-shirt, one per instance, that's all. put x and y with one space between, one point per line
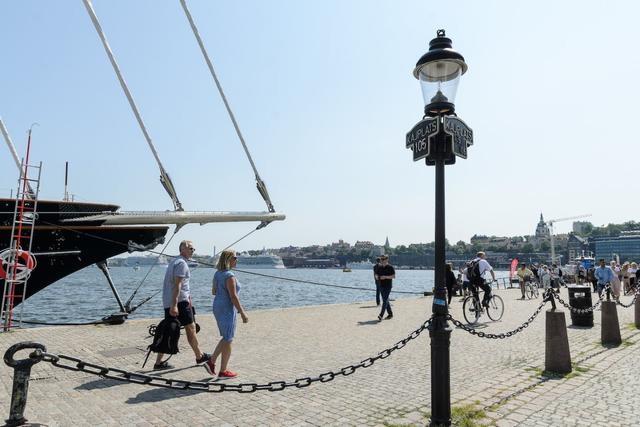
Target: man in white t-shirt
483 266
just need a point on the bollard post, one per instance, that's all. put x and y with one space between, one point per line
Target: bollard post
21 374
637 312
610 329
557 356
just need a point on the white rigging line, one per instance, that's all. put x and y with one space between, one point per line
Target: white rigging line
164 176
14 153
262 188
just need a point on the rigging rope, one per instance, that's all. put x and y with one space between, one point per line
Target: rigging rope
165 180
128 303
262 187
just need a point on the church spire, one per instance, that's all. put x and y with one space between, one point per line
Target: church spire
386 243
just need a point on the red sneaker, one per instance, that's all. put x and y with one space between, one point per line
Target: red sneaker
227 374
210 366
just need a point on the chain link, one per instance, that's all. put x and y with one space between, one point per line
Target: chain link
78 365
633 301
584 310
503 335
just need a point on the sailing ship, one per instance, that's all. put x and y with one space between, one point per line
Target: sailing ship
67 236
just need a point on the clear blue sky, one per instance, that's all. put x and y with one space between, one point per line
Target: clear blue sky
324 95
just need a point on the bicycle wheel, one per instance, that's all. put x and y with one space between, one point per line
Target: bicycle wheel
535 291
528 290
496 308
470 310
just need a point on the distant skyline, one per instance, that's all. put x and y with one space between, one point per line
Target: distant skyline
324 95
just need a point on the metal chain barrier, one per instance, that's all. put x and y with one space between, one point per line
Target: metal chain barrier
503 335
633 301
583 310
78 365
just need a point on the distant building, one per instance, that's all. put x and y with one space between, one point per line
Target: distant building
542 229
387 246
363 245
626 247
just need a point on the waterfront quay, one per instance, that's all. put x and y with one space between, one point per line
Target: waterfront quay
502 376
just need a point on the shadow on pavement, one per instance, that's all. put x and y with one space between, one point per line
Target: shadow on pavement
98 384
160 394
368 322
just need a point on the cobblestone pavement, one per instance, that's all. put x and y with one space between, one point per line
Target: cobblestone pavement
501 375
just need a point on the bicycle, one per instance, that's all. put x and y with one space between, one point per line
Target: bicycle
472 308
531 288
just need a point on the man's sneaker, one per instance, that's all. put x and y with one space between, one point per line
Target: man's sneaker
210 366
389 317
203 358
380 318
162 366
227 374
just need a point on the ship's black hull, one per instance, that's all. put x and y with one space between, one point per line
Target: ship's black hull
58 242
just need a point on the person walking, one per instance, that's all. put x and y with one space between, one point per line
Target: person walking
451 281
226 304
375 275
466 284
524 275
615 281
386 274
603 275
545 276
176 299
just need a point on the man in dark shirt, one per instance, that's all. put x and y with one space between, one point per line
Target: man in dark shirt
385 274
377 265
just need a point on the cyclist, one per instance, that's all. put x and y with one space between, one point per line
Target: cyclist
483 266
525 275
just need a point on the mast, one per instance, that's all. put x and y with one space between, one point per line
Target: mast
165 180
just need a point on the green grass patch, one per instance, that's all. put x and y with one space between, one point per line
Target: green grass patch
631 326
468 415
627 342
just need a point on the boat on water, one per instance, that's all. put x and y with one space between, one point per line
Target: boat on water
64 236
265 260
360 265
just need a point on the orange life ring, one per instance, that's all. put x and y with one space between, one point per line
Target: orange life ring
28 263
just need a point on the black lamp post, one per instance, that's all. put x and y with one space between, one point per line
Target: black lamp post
439 138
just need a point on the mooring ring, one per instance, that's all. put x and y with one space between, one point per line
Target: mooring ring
34 357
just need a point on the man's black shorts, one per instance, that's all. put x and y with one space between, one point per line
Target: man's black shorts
185 313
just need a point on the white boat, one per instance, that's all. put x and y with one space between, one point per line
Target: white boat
360 265
259 261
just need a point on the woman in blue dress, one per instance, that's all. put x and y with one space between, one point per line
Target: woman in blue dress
226 305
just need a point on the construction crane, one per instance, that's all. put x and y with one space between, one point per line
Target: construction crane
550 224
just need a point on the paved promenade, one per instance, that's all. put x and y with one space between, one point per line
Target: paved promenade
501 375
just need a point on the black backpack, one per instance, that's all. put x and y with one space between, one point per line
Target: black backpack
473 271
165 338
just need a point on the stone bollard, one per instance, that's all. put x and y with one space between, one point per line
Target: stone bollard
637 312
557 357
21 374
610 331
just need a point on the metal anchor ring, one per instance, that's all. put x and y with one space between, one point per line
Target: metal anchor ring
35 357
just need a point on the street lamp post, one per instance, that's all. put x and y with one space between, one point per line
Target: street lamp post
439 138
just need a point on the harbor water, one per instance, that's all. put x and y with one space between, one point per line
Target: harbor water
86 296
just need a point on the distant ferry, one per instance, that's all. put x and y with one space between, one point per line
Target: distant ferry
360 265
259 261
